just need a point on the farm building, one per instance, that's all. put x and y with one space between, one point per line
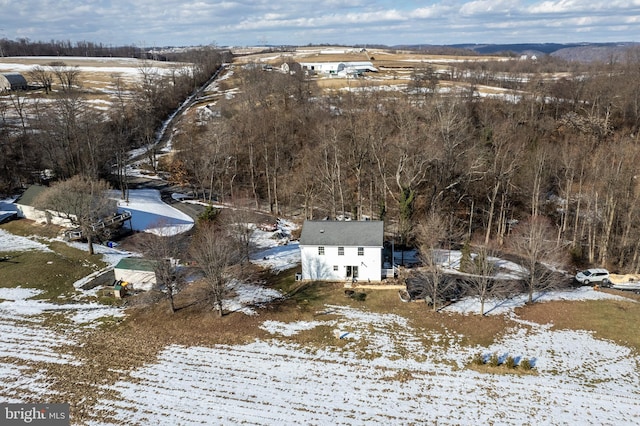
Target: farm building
291 67
342 250
12 81
340 69
139 273
25 205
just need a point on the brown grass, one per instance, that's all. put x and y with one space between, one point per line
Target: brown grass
26 228
127 344
52 272
608 319
501 369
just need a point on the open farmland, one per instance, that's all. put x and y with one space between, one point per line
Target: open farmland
396 68
97 77
294 354
315 358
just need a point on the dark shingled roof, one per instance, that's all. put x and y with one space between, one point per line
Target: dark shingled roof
27 198
342 233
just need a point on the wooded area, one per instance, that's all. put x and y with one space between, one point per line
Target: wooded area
562 144
564 147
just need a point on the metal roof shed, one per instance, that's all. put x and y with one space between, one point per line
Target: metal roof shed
138 272
13 81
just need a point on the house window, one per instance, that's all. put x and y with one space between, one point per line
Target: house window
340 251
321 251
335 267
360 251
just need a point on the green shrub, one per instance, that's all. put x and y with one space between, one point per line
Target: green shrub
210 214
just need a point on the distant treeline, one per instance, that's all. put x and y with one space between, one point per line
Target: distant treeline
26 47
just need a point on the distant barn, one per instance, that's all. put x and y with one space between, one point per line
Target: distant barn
12 81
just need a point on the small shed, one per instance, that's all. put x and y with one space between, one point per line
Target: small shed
138 272
13 81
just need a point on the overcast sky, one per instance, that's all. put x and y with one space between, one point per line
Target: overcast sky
276 22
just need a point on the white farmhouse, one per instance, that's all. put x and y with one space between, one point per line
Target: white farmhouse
342 250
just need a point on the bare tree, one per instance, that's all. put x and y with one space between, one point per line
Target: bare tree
165 250
502 157
241 228
481 280
120 134
82 201
42 76
69 77
535 243
429 236
215 254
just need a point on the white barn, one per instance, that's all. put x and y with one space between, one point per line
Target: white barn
342 250
341 69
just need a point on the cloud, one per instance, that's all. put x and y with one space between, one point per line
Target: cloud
487 7
245 22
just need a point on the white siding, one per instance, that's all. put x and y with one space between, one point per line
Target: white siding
37 215
139 280
321 267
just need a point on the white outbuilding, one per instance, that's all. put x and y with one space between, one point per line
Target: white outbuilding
340 69
137 272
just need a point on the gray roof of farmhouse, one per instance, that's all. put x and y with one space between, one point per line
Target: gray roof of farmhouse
367 233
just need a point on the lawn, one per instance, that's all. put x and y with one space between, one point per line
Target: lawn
53 271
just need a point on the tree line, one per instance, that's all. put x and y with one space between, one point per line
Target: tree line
59 131
65 48
562 146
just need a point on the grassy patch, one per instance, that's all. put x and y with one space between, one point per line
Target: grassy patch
609 319
285 281
27 228
52 272
501 369
55 320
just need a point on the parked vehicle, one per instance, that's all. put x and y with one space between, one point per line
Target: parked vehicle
627 286
627 282
594 276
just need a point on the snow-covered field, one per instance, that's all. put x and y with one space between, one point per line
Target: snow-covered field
380 373
580 380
